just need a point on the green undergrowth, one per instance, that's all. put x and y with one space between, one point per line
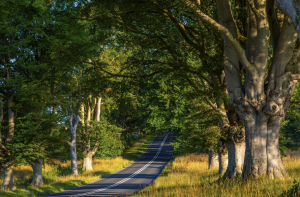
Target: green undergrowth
56 177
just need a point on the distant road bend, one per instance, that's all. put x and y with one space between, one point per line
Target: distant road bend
134 177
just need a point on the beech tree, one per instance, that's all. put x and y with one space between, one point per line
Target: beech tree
262 99
91 105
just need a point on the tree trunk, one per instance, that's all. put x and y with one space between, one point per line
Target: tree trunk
98 109
236 155
74 170
73 121
212 160
37 167
8 178
1 118
87 150
223 162
87 163
89 153
262 99
199 151
262 147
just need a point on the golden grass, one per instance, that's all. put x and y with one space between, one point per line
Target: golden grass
55 181
56 176
188 175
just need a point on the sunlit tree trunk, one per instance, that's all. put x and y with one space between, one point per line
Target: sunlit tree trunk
8 178
89 151
213 161
236 155
73 121
223 157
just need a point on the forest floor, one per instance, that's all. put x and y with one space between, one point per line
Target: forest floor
188 175
56 177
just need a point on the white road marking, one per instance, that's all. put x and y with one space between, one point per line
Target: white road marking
129 177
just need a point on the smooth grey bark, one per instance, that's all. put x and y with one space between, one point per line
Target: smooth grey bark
213 161
223 155
98 109
87 163
231 59
73 122
8 178
263 112
260 109
292 9
236 154
223 161
273 23
37 175
232 136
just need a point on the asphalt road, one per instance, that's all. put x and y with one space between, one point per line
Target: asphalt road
134 177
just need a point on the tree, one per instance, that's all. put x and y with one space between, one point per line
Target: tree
86 110
73 119
34 60
262 100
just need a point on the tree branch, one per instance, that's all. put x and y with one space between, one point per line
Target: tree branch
273 23
254 10
69 142
241 52
93 151
207 100
291 8
126 76
2 146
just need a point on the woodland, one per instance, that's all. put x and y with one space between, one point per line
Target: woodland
84 79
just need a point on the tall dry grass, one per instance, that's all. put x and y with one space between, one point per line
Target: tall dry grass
188 175
56 176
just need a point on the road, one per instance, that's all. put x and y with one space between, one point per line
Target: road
134 177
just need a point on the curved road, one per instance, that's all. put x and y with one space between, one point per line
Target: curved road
134 177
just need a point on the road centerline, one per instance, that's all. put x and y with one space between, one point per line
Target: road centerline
129 177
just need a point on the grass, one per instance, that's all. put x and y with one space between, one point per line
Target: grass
56 177
185 175
188 175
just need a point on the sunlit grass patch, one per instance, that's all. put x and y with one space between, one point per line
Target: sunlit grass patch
188 175
57 178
